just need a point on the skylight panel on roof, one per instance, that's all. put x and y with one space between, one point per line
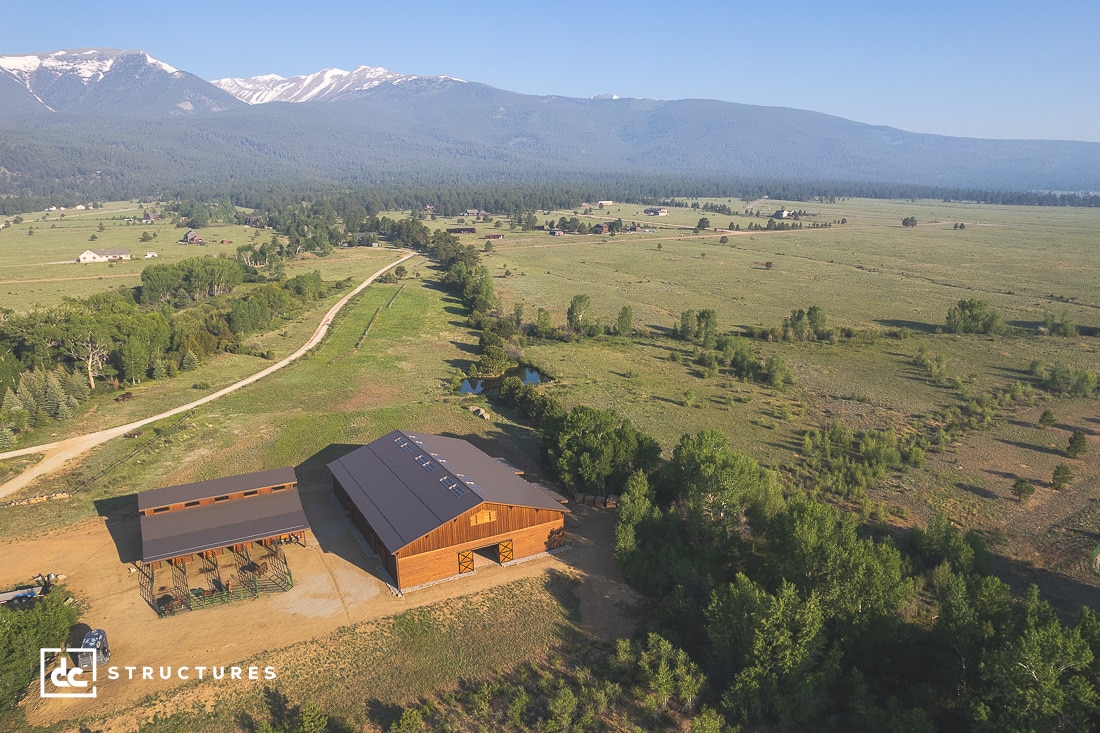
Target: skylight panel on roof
453 485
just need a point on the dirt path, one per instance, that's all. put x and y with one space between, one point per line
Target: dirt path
66 279
58 453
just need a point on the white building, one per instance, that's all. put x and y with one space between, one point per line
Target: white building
103 255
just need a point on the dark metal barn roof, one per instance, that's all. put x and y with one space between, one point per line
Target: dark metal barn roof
185 532
407 484
215 487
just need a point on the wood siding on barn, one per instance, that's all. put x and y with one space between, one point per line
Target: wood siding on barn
435 555
469 527
426 567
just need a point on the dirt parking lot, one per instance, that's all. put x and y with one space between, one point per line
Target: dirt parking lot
336 583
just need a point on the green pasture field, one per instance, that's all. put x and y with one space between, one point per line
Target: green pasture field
868 272
41 269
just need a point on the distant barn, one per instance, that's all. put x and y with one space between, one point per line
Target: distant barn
427 503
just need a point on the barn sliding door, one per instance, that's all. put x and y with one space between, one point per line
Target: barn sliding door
505 552
465 562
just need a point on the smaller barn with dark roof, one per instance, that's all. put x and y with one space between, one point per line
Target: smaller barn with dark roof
220 539
426 503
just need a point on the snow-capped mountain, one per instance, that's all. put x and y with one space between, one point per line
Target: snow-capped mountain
121 121
327 85
104 80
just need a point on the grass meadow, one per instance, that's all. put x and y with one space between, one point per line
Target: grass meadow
41 269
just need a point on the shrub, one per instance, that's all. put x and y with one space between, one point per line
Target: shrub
1023 489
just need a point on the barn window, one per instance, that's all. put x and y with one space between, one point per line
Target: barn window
252 493
190 504
220 498
160 509
483 517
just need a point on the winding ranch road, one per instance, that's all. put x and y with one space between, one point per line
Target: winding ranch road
57 453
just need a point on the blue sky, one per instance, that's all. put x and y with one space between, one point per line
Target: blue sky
977 68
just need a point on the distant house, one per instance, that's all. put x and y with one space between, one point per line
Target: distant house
462 230
150 216
150 255
557 233
599 228
494 236
192 237
473 212
654 211
103 255
783 214
605 203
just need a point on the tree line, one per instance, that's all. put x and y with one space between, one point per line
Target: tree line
56 358
798 615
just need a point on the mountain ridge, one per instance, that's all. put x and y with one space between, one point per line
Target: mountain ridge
105 118
326 85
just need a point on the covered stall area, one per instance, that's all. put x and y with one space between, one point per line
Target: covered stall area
220 540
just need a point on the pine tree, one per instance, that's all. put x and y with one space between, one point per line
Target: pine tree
1023 489
160 371
1063 474
189 362
27 398
1077 444
55 400
7 438
11 402
76 385
64 410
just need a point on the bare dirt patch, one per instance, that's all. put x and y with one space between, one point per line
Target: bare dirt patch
370 394
336 584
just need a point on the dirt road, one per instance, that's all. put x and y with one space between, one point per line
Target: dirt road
58 453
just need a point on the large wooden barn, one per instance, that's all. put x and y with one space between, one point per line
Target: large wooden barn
426 503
